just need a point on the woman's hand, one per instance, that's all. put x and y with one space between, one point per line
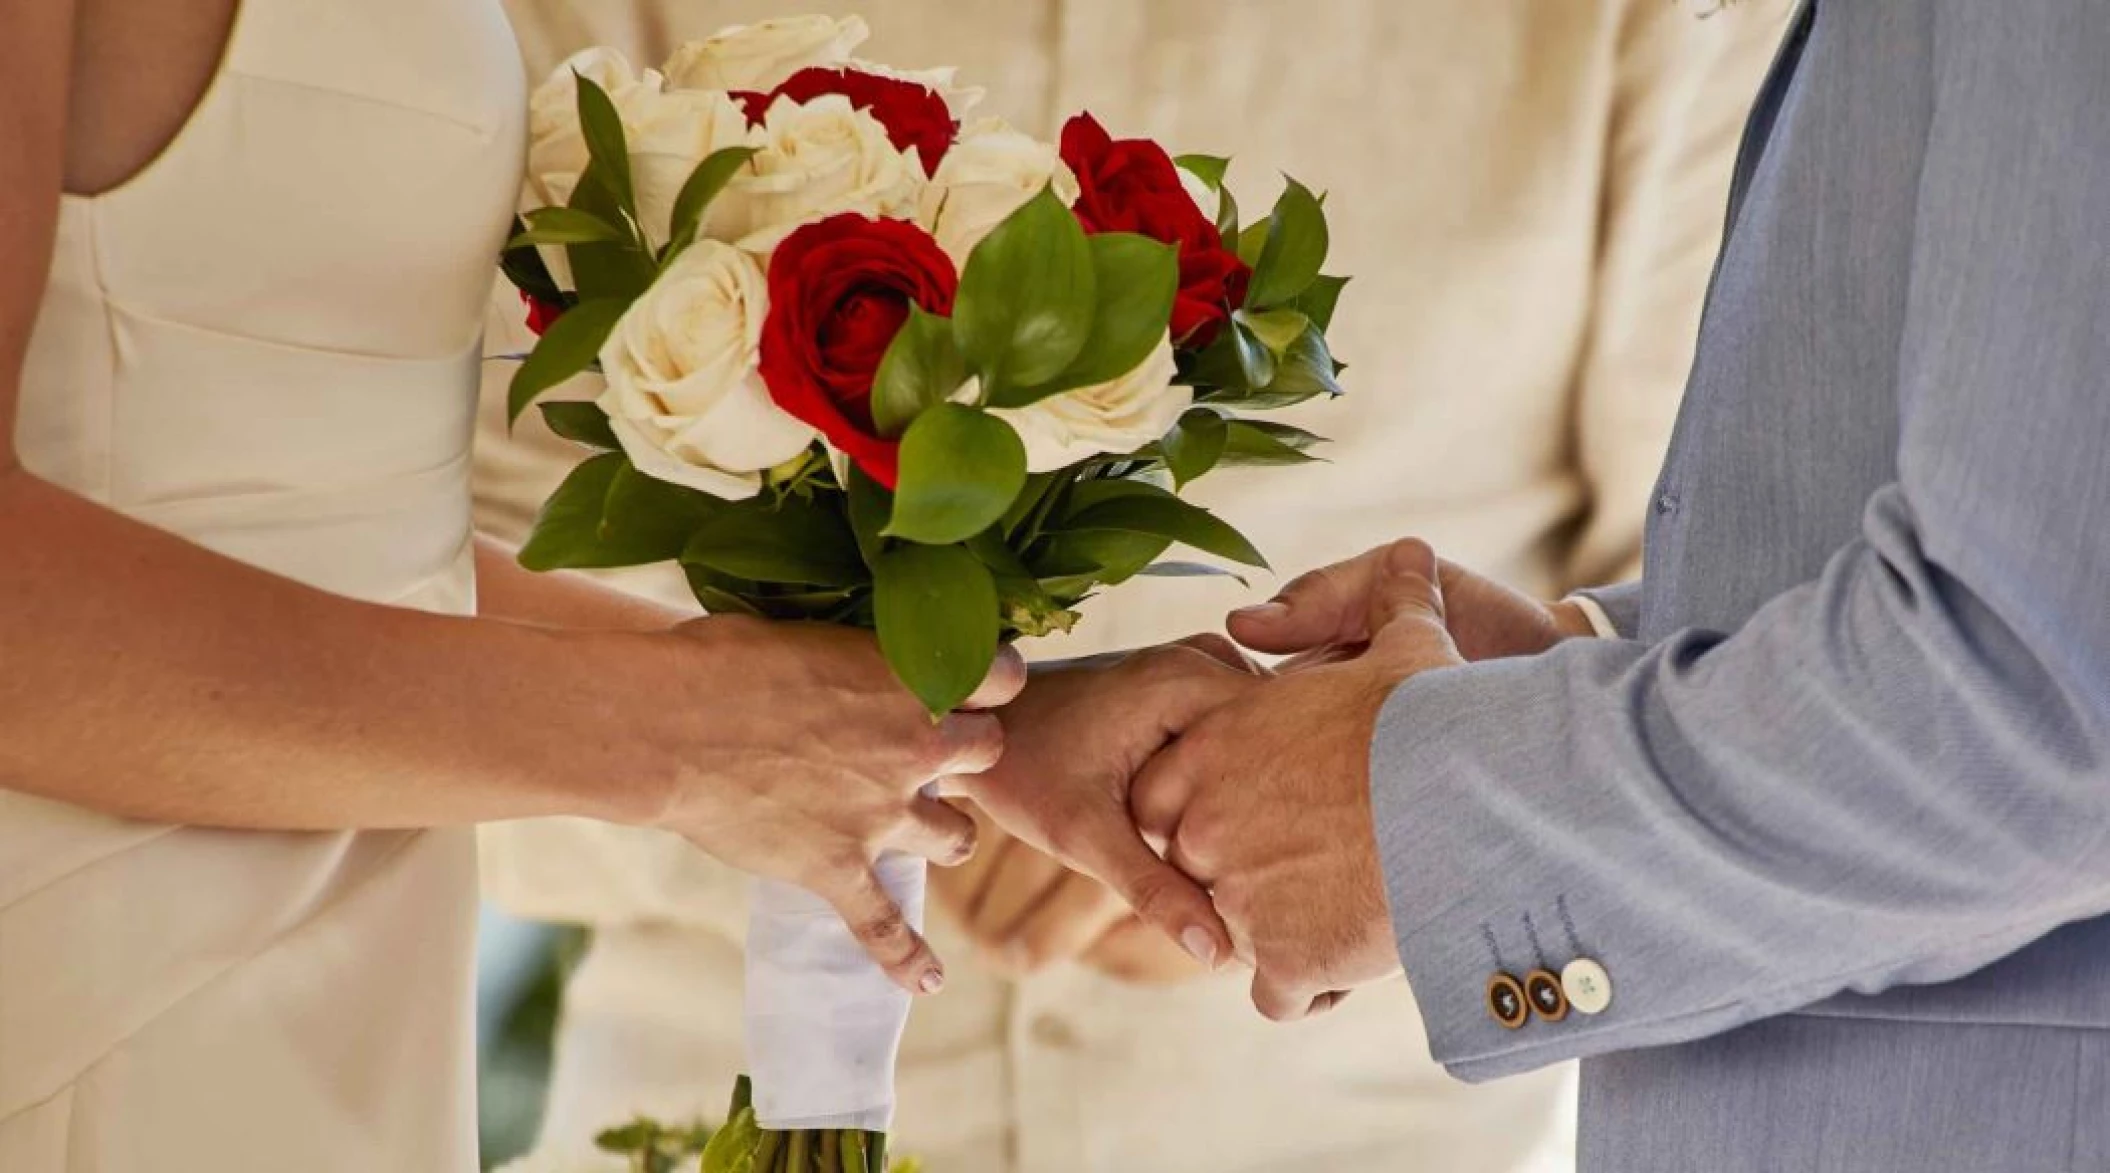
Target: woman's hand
790 751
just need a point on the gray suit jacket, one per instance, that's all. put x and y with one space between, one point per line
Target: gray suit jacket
1835 814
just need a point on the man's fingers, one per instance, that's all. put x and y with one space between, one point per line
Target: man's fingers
879 926
1006 679
942 834
1222 650
1405 608
1281 1000
1161 895
1067 922
1159 795
1319 608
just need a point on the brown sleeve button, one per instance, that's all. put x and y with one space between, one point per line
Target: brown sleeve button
1547 999
1506 1002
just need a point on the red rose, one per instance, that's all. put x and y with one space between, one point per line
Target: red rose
541 314
839 290
915 116
1132 185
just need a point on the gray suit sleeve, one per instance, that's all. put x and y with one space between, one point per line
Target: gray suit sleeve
1894 774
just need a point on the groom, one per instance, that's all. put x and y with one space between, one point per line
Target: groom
1806 837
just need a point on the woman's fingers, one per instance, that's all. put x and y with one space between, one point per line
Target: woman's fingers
884 932
1006 679
969 743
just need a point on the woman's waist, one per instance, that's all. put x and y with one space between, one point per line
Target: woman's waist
108 925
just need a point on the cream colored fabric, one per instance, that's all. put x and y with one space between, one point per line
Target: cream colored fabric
1529 196
267 343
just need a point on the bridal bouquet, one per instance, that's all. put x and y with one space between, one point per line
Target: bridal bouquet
865 362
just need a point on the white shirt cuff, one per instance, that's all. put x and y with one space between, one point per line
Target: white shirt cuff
1600 623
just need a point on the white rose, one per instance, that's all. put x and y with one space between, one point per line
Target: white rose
1114 417
668 132
989 174
819 159
684 395
760 56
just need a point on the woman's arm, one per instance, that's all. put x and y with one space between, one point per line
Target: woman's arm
146 677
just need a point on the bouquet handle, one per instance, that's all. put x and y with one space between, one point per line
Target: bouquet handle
824 1022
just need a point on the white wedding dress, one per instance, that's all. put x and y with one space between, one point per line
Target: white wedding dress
267 343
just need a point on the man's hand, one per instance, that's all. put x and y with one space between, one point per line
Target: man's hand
1266 800
1322 615
1076 739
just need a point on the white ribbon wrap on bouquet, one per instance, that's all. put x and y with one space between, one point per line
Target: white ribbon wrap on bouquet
824 1022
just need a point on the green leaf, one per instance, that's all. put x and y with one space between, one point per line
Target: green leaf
1163 515
1295 249
921 368
1025 304
1227 215
620 271
1306 371
1189 570
1207 168
1069 565
1251 242
529 273
703 185
581 423
1021 521
1137 279
605 142
936 608
961 468
566 226
1252 442
870 505
1318 300
607 514
732 1148
792 540
1194 445
572 344
1256 363
717 595
1276 329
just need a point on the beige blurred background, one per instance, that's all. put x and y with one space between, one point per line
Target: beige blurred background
1529 196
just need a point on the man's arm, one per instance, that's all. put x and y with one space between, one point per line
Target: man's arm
1895 774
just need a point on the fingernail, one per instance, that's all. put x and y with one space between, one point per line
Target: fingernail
1264 612
931 982
1196 940
1407 558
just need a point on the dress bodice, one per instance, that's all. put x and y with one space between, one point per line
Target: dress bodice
267 343
267 340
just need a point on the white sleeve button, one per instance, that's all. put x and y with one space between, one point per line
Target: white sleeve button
1588 986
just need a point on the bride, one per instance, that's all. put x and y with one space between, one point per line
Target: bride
245 719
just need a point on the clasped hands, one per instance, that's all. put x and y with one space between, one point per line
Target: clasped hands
1227 805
